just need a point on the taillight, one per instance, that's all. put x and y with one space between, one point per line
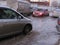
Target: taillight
40 13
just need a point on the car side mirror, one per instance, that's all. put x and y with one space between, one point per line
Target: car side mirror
20 17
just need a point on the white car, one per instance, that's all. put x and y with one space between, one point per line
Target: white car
56 13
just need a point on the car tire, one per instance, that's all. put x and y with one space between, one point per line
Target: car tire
27 29
33 15
47 14
54 16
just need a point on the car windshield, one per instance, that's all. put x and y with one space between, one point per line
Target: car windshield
39 9
42 10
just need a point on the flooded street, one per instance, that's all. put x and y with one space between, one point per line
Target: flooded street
44 33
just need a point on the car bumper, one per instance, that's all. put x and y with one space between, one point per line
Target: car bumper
37 15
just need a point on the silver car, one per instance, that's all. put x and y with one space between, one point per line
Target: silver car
12 22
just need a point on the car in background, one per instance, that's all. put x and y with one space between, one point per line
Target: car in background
56 13
41 12
24 7
12 22
58 24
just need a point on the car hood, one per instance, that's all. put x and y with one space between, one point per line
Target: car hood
27 19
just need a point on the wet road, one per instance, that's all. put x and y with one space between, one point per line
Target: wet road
44 33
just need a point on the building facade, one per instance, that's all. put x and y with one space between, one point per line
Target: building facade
12 3
40 2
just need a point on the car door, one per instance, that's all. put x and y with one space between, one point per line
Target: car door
9 22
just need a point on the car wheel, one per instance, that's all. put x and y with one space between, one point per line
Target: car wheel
54 16
27 29
47 14
34 15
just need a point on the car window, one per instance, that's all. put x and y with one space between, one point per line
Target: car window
39 9
42 9
10 14
58 10
7 14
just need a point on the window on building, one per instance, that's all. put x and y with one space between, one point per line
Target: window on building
43 0
38 0
34 0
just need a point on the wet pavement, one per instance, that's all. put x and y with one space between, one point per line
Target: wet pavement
44 33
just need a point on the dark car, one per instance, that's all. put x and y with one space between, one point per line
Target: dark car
41 12
12 22
58 24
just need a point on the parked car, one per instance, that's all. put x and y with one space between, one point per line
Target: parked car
56 13
12 22
41 12
58 24
24 7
